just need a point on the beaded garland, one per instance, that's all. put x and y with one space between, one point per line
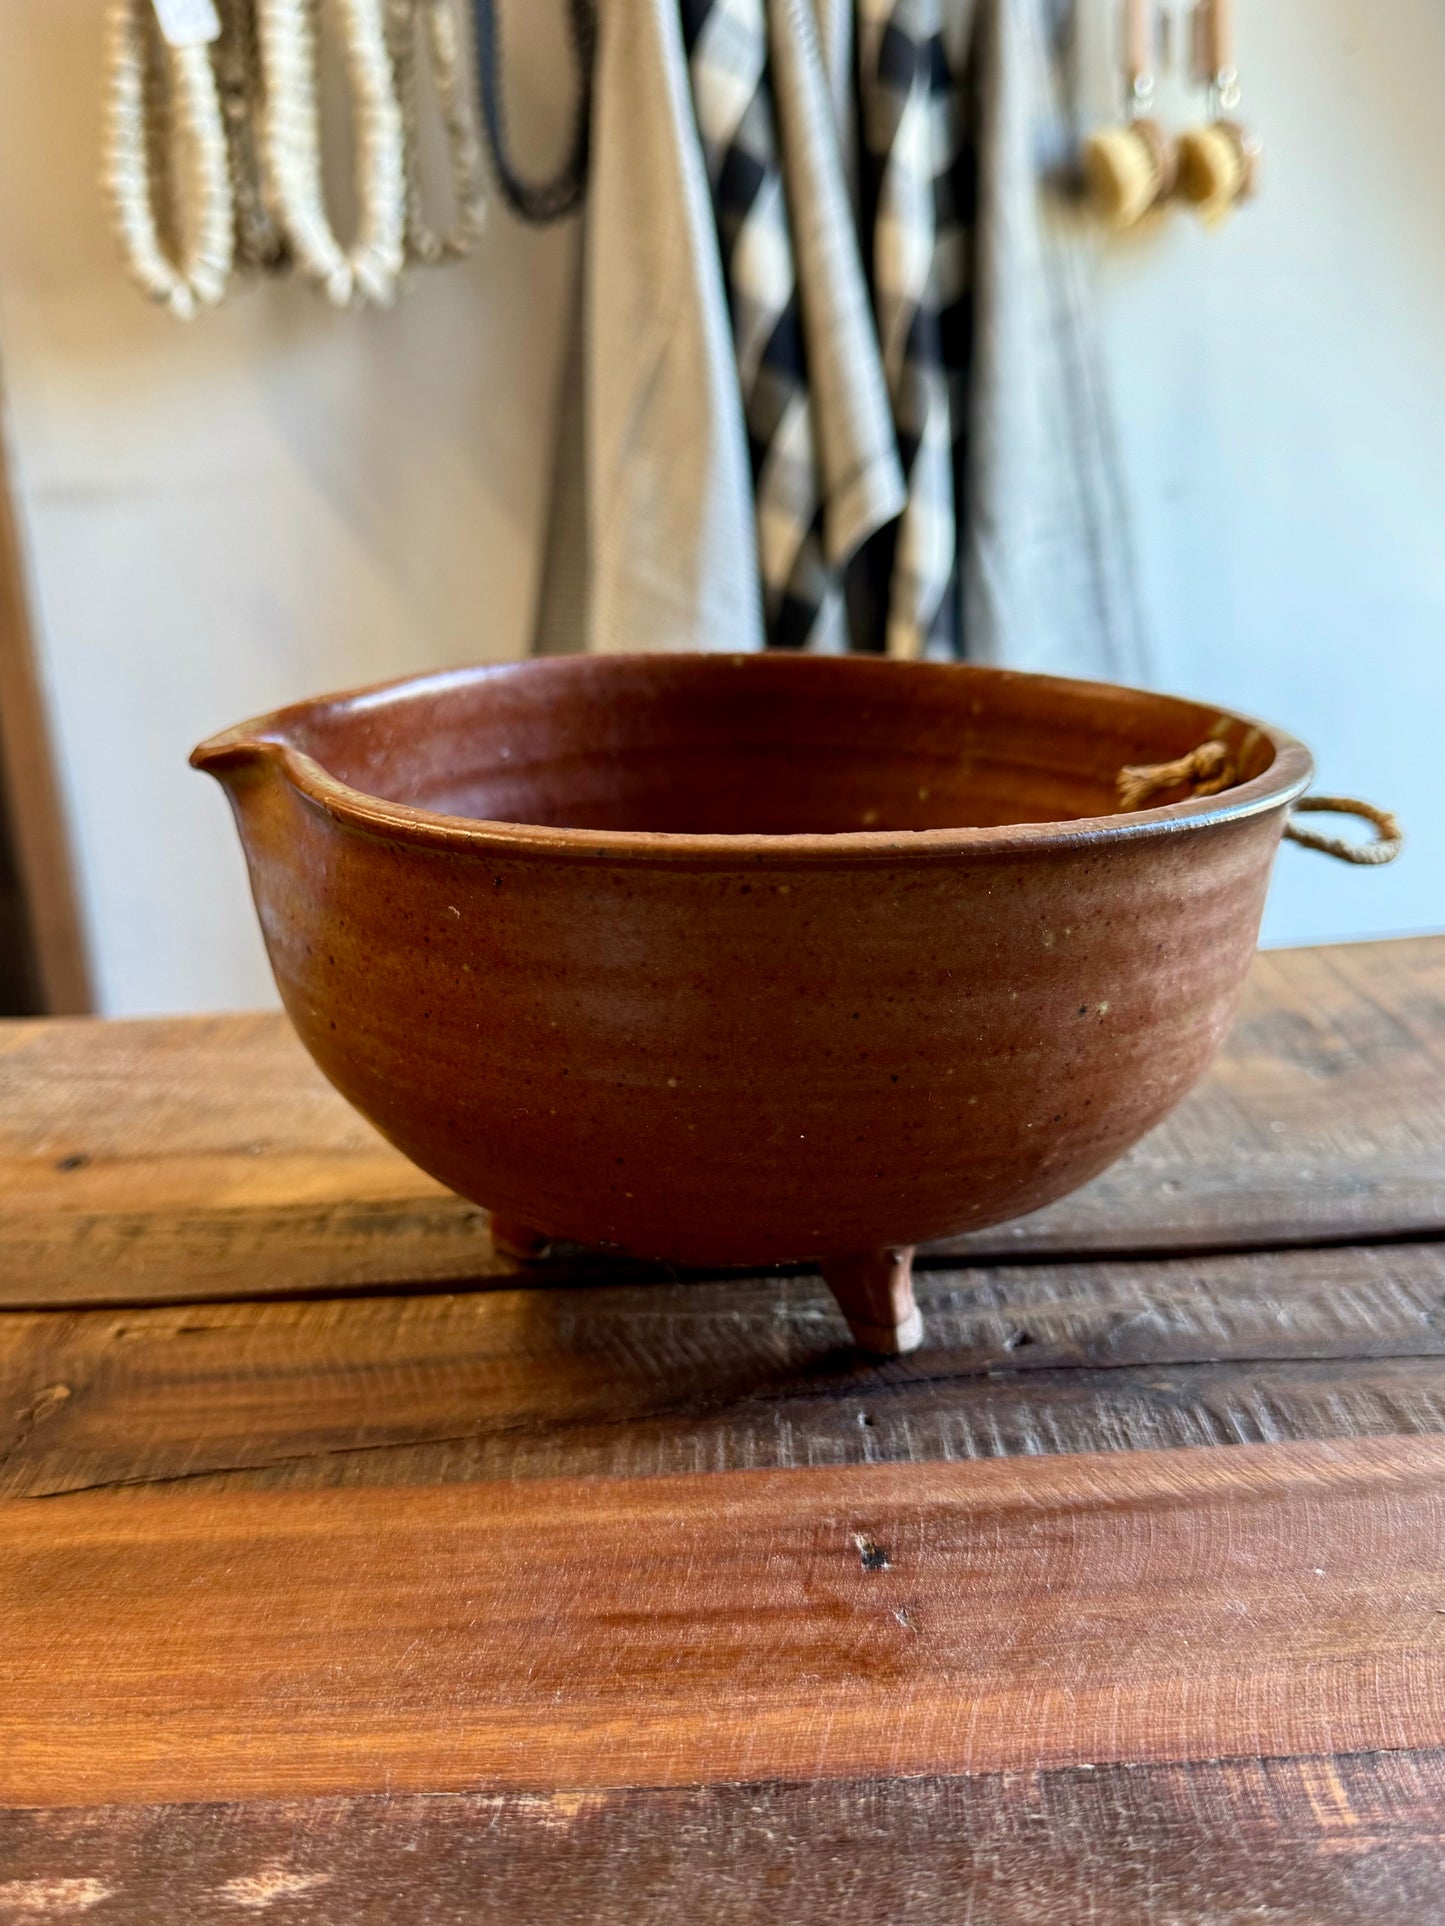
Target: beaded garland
213 150
368 269
446 38
177 237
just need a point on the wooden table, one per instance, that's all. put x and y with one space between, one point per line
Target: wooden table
349 1574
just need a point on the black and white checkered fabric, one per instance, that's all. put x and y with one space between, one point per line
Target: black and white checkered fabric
913 138
727 49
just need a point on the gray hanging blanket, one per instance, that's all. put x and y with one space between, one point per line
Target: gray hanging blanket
832 380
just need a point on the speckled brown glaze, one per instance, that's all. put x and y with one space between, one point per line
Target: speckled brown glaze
744 960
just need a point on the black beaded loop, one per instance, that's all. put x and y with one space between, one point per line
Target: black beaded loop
537 202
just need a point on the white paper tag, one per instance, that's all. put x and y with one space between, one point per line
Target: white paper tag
188 23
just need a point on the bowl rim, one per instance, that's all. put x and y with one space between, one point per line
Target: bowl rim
264 741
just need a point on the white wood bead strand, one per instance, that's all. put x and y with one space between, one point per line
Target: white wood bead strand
447 36
191 271
368 269
260 242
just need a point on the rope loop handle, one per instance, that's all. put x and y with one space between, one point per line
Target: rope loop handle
1210 768
1385 846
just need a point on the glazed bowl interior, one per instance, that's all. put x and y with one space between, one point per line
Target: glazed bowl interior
754 745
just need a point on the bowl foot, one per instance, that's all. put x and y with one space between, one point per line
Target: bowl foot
874 1290
512 1238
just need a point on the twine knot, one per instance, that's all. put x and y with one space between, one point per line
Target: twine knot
1204 771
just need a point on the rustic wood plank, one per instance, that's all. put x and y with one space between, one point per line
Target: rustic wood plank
1163 1407
196 1158
877 1621
203 1156
1298 1841
641 1379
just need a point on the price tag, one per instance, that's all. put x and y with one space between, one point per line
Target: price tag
188 23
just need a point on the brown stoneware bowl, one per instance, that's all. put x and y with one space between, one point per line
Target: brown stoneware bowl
758 959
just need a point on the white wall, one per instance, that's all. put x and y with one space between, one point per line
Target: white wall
280 500
270 502
1280 393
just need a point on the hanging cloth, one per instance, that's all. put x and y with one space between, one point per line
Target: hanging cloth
911 114
651 541
835 43
727 49
1049 576
862 482
965 121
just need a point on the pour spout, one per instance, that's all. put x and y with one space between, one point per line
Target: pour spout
237 752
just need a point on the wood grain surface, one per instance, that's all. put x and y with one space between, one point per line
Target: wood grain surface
1307 1841
878 1620
184 1159
632 1380
350 1574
